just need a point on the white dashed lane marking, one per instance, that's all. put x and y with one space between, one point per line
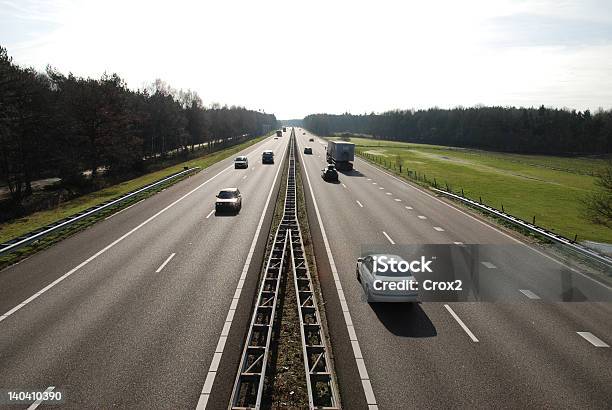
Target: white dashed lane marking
408 208
422 217
437 228
211 212
463 326
489 265
359 203
163 265
529 294
398 200
388 238
594 340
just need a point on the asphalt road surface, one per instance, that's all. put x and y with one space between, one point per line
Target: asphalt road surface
518 348
142 309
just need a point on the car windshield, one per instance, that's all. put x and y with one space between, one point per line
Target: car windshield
227 195
240 159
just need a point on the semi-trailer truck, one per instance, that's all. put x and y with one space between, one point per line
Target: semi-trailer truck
341 154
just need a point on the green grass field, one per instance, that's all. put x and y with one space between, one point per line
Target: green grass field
36 220
547 187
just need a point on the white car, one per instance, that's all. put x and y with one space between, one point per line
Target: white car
228 199
387 286
241 162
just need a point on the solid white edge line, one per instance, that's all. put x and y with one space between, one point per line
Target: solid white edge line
163 265
360 204
212 371
115 242
484 223
38 402
388 238
594 340
463 326
365 382
210 213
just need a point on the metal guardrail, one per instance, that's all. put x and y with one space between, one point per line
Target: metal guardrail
533 228
287 255
20 241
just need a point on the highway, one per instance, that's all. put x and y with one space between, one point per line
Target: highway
517 347
140 309
150 307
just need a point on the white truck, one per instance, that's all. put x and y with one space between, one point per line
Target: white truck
341 154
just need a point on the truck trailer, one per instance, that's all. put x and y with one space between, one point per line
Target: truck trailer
279 133
341 154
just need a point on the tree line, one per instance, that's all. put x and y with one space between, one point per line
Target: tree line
522 130
74 128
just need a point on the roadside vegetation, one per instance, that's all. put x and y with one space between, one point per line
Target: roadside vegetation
87 134
552 189
40 219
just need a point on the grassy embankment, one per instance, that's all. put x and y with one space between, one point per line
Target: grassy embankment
547 187
37 220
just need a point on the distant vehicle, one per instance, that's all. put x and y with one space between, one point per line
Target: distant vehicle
390 286
284 129
310 139
341 154
241 162
329 173
307 150
279 133
229 199
267 157
303 133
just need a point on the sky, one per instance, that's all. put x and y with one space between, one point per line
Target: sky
294 58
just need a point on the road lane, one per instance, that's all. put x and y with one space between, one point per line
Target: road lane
115 333
421 356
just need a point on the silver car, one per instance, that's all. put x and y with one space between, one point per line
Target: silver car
386 286
241 162
229 199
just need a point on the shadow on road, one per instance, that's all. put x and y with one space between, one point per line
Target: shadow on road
226 213
352 173
405 319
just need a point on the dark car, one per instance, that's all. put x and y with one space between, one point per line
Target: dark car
267 157
307 150
311 140
329 174
229 200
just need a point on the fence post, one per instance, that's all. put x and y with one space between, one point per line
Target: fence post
503 208
533 220
435 183
462 194
400 168
480 200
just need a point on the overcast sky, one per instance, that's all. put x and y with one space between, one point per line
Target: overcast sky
293 58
